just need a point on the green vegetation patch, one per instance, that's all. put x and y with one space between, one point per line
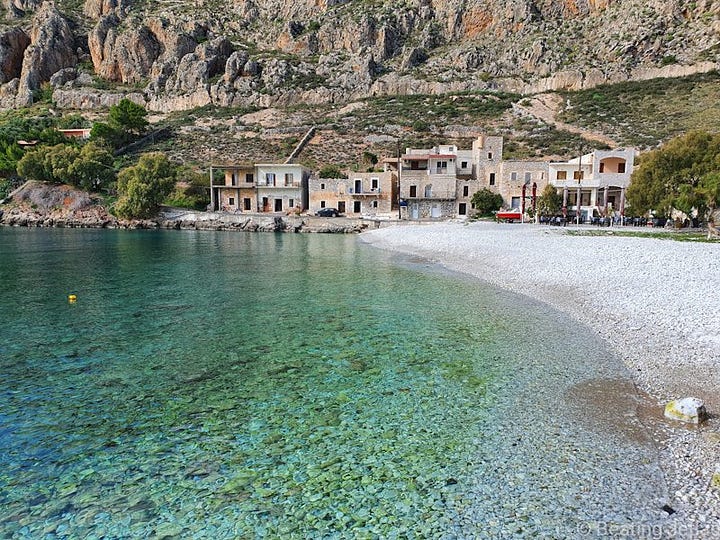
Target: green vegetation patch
678 236
646 113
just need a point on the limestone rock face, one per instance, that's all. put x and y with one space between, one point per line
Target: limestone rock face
12 48
690 410
18 8
97 8
257 52
52 48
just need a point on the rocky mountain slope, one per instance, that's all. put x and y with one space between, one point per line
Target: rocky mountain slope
174 55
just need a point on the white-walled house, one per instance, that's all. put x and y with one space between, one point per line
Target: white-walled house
600 178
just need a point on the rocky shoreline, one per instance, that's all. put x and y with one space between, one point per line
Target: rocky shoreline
42 205
652 301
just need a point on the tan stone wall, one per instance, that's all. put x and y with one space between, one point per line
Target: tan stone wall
525 172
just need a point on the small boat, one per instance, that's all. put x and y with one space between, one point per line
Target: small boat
508 215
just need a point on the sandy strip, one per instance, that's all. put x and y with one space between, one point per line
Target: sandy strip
656 302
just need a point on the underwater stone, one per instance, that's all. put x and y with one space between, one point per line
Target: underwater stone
690 410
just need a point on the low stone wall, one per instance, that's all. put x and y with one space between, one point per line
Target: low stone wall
97 218
222 221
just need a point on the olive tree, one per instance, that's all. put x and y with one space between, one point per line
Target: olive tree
144 186
679 175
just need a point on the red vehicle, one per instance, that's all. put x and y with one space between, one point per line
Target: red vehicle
508 216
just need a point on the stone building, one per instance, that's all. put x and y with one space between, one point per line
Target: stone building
370 194
274 187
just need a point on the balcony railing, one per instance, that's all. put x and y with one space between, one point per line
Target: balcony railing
433 195
362 193
278 184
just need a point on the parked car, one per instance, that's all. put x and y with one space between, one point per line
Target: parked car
327 212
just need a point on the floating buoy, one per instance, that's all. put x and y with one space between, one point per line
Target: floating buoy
72 298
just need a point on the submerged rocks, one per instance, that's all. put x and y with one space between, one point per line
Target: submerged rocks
690 410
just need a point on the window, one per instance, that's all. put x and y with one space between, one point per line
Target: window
322 204
374 182
291 203
490 156
621 167
561 175
515 202
341 207
602 167
513 176
231 201
249 178
441 166
413 191
492 178
528 177
356 207
374 204
358 185
462 209
278 205
247 204
270 179
322 186
463 164
234 178
289 177
577 175
466 191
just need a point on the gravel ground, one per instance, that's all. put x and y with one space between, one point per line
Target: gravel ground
654 302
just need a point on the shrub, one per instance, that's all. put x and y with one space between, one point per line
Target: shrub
486 202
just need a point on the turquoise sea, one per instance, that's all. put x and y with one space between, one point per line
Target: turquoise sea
230 385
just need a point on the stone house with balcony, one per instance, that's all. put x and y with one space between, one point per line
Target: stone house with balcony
429 181
232 188
370 194
278 187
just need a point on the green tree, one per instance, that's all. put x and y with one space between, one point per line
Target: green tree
102 131
126 120
128 116
191 190
486 202
679 175
144 186
48 163
549 202
93 169
88 167
331 171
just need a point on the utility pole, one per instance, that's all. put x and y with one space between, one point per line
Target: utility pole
580 174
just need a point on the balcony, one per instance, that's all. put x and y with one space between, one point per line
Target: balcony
362 193
279 184
432 196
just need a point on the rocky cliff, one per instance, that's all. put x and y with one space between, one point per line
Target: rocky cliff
178 55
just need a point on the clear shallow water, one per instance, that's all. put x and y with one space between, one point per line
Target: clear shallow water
252 385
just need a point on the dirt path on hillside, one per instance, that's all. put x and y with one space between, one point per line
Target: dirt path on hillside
546 106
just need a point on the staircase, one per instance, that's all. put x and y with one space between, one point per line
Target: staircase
299 148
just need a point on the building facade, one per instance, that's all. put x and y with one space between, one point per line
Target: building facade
369 194
438 183
430 183
275 187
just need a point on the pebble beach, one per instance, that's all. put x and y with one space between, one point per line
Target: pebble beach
654 302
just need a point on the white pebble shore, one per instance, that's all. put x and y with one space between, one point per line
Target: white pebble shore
655 302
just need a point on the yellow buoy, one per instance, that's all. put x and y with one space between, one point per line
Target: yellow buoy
72 298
